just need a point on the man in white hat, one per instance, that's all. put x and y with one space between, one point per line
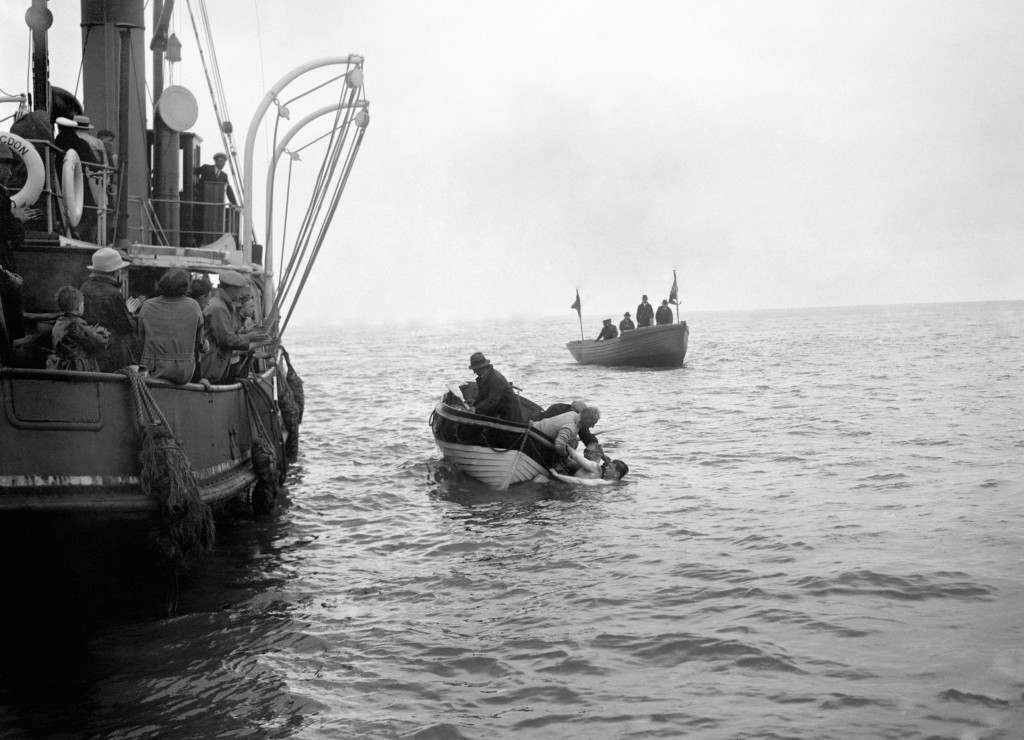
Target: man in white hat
105 305
224 328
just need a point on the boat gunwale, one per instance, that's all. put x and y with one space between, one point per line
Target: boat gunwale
460 416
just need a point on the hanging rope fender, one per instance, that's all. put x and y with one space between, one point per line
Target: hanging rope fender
267 452
291 399
165 474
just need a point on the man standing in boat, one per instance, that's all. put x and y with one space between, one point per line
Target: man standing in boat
644 313
494 394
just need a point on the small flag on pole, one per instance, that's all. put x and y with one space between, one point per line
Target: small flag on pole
673 295
576 304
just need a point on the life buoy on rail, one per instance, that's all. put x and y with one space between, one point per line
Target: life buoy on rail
72 184
36 175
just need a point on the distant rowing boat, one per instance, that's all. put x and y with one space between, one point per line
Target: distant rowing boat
651 346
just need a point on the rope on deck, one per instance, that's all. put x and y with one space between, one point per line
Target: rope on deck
186 528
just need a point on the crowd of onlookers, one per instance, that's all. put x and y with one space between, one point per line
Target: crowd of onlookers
189 331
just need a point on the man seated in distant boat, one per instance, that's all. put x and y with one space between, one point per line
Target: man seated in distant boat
224 329
608 331
644 313
494 394
664 314
627 323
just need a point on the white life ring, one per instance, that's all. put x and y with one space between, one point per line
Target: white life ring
36 176
72 184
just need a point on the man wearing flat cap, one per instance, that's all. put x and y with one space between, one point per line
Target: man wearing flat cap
494 395
224 328
608 331
215 173
627 323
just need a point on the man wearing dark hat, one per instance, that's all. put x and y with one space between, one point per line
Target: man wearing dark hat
105 305
644 313
627 323
224 328
215 173
494 395
608 331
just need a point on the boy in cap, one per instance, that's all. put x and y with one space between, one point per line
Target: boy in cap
627 323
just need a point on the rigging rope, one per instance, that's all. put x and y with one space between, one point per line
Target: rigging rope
217 95
310 239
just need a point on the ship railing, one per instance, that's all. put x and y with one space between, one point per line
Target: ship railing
48 212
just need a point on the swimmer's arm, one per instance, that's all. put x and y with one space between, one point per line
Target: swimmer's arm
589 466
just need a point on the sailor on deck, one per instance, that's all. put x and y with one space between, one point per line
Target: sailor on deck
223 329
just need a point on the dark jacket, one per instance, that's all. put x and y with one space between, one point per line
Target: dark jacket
209 173
75 344
496 397
664 315
223 330
626 325
104 305
644 314
608 331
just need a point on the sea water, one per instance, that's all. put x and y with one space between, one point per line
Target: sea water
821 536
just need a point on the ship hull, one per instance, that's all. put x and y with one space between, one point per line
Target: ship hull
652 346
70 441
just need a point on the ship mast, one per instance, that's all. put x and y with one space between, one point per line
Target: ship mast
39 19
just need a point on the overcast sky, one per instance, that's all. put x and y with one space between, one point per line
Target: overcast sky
776 154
